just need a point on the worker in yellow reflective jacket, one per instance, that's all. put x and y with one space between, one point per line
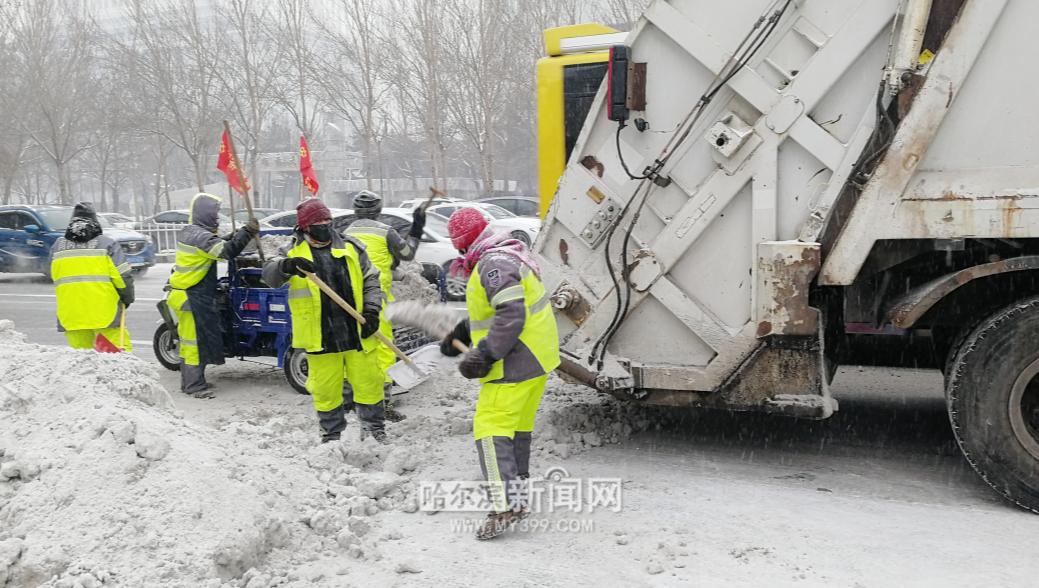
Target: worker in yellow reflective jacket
339 349
386 249
92 282
193 291
514 346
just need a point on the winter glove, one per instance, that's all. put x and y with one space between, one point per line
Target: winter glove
252 227
295 266
371 323
418 222
126 297
459 333
475 364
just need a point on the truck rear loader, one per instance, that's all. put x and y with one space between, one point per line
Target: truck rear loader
764 190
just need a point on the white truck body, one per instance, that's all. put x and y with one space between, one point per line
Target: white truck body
724 287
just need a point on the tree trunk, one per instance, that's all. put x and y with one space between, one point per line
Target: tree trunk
63 186
104 185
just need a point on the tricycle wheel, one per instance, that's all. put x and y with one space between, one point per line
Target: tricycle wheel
166 351
295 366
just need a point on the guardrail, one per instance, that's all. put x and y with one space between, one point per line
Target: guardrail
163 235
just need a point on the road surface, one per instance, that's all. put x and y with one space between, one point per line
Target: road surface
878 495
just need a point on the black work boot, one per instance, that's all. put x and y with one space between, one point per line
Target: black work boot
373 420
391 415
332 423
497 523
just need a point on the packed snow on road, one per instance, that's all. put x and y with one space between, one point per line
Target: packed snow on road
109 478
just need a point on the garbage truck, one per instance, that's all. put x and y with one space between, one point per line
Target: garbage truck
765 190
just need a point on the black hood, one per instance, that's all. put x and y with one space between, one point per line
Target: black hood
205 211
84 225
84 210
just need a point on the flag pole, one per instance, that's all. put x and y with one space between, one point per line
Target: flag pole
230 197
241 182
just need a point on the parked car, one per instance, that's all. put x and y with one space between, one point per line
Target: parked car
435 252
522 228
28 232
412 203
120 221
517 205
287 220
177 217
241 215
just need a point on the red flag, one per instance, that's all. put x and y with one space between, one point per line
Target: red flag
228 163
306 166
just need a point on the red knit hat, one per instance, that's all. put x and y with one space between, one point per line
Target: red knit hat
310 211
464 226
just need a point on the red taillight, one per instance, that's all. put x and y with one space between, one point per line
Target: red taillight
251 306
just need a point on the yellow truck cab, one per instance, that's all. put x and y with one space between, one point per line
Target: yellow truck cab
567 80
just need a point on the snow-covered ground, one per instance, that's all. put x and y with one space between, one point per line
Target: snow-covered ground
108 476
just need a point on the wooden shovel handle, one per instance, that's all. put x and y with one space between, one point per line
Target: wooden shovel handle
459 346
357 316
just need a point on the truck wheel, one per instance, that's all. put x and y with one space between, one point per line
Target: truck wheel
993 400
295 366
169 358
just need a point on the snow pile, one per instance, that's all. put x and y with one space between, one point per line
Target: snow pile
571 419
100 481
413 286
274 245
103 481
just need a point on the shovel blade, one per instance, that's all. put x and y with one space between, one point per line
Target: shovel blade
428 360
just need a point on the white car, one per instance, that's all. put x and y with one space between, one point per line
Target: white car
119 221
520 227
434 250
411 204
287 219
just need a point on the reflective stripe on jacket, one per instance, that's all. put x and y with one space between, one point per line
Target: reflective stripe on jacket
538 339
378 250
87 277
197 250
305 297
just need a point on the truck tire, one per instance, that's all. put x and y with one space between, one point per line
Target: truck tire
295 366
169 358
993 401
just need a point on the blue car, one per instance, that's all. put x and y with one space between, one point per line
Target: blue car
28 232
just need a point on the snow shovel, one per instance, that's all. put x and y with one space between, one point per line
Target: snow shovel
429 360
418 374
103 345
437 320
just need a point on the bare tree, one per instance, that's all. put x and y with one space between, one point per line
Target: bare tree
483 76
417 59
352 73
54 57
624 12
250 73
170 62
300 95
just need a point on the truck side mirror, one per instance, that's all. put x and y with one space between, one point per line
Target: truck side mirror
31 229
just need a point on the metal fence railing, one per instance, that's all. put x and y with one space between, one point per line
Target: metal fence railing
163 235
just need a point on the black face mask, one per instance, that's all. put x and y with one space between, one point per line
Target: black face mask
322 233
